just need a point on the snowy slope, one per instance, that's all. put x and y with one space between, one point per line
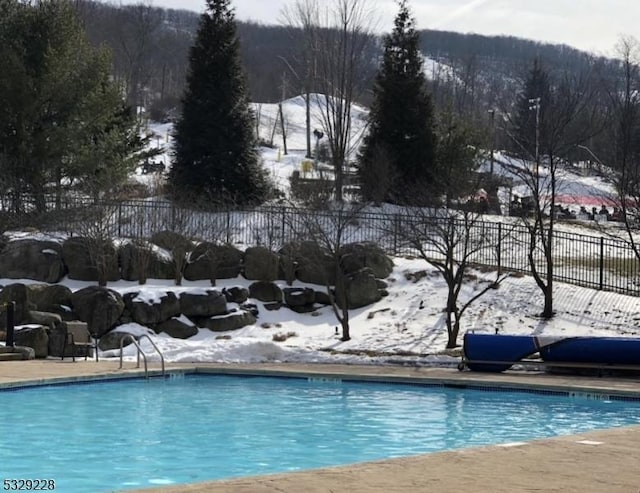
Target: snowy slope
395 329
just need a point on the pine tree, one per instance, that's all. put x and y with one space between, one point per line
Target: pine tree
215 155
59 109
528 108
399 148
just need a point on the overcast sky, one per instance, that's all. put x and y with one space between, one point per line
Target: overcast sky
593 25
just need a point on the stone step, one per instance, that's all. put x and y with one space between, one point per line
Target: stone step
11 357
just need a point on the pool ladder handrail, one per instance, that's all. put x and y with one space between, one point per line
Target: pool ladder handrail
140 351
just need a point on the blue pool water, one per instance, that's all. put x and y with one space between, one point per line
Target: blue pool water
129 434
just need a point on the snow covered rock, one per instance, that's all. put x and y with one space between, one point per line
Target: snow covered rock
203 304
49 297
265 291
209 260
231 321
296 297
98 306
177 328
35 337
361 289
79 253
136 256
356 256
39 260
148 312
260 264
236 294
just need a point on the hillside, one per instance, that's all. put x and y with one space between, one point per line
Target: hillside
150 47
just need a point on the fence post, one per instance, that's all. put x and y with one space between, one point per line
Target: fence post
396 232
601 263
499 247
284 225
120 218
11 306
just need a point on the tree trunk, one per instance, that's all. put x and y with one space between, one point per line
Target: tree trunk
346 336
452 341
547 312
452 331
338 163
308 123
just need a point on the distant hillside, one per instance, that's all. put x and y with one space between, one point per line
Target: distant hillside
150 47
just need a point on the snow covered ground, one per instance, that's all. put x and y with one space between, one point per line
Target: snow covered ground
396 329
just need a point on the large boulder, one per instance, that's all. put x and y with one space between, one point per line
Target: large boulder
35 337
209 261
18 294
49 297
112 340
98 306
139 258
46 319
171 241
202 303
236 294
80 254
322 298
261 264
25 352
40 260
294 297
177 328
149 310
313 263
232 321
265 291
356 256
361 289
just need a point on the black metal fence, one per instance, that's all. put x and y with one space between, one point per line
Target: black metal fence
599 262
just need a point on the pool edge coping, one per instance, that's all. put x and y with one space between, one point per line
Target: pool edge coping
467 380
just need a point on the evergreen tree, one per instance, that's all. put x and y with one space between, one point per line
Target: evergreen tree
533 103
216 157
456 160
399 147
57 104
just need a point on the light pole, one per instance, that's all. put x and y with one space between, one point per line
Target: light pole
493 137
318 134
534 104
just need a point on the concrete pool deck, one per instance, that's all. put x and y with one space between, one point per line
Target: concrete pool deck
600 461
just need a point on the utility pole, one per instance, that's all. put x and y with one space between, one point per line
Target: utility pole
282 127
493 136
534 104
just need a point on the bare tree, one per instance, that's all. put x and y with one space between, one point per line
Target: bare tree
453 242
96 230
300 16
322 235
139 25
339 36
624 136
175 236
558 126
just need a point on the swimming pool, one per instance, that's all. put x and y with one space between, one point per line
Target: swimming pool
134 433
